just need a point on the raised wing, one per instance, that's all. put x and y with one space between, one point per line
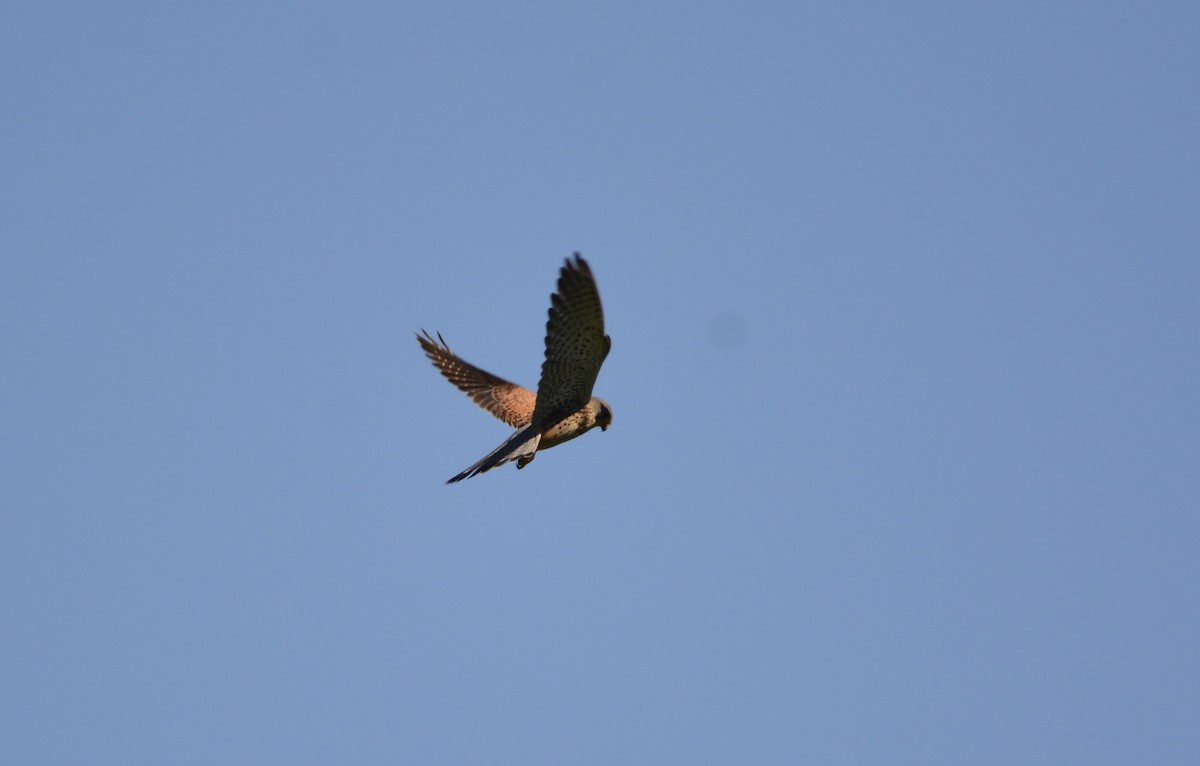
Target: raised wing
511 403
575 345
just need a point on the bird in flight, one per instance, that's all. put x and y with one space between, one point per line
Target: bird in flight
563 406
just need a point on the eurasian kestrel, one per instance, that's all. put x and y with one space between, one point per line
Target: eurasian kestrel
563 406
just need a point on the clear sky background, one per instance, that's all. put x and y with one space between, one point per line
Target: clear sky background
905 465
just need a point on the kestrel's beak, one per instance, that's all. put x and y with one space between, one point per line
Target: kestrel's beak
604 416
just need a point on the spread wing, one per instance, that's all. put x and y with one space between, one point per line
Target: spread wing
507 401
575 345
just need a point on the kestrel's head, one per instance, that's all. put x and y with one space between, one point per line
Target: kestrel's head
603 413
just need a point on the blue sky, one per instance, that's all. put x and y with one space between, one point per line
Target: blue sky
903 300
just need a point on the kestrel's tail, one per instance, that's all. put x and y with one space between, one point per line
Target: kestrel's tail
523 443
